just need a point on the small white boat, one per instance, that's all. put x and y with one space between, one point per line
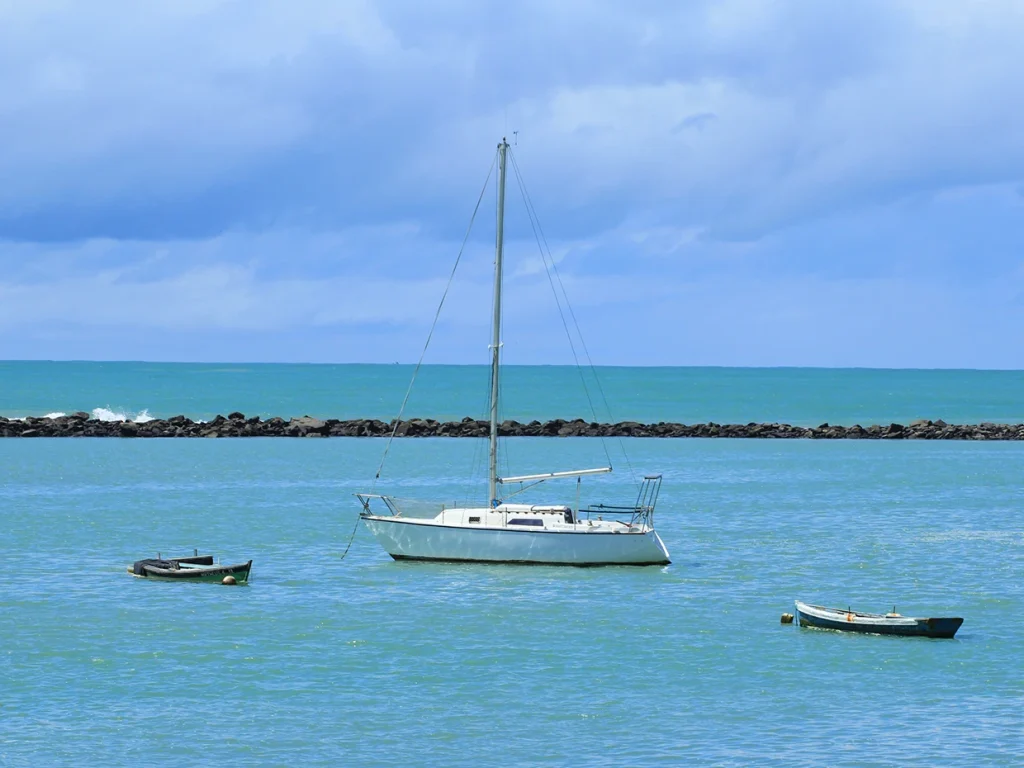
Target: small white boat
875 623
502 532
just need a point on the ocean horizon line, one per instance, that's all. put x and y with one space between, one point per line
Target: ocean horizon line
603 366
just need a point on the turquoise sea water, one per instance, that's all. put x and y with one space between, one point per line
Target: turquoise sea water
801 396
365 661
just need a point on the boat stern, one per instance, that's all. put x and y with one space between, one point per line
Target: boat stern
661 548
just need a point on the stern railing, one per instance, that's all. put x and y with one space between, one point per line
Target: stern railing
641 513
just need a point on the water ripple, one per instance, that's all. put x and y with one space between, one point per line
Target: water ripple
370 662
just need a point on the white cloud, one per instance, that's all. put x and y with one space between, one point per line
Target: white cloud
215 298
111 100
217 166
646 316
737 116
941 113
242 282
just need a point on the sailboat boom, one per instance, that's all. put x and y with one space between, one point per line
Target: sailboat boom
554 475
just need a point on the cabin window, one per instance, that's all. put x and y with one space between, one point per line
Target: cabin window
526 521
474 519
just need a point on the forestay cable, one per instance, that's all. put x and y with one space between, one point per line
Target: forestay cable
433 325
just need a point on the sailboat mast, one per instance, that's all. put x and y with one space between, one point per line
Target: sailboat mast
492 477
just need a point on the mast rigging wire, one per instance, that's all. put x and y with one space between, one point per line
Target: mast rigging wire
546 258
433 325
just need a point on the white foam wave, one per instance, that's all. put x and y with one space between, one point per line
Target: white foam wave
107 414
54 415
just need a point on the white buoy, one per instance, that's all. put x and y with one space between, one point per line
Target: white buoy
228 580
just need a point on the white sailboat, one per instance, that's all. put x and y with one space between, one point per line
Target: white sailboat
502 532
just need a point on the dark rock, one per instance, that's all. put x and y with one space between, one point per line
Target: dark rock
307 421
79 424
301 426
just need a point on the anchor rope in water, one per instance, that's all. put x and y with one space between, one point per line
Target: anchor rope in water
351 538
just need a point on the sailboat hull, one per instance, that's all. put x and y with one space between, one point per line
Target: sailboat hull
410 539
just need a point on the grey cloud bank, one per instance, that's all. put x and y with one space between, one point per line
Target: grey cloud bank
743 183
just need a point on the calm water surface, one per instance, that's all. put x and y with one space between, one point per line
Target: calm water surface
365 661
803 396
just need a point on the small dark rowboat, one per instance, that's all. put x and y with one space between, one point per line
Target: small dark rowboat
874 623
198 568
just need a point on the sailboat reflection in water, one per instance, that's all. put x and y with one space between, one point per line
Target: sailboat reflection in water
501 532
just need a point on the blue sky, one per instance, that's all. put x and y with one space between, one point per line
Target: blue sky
721 183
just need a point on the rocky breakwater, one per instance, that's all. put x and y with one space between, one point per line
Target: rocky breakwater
237 425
